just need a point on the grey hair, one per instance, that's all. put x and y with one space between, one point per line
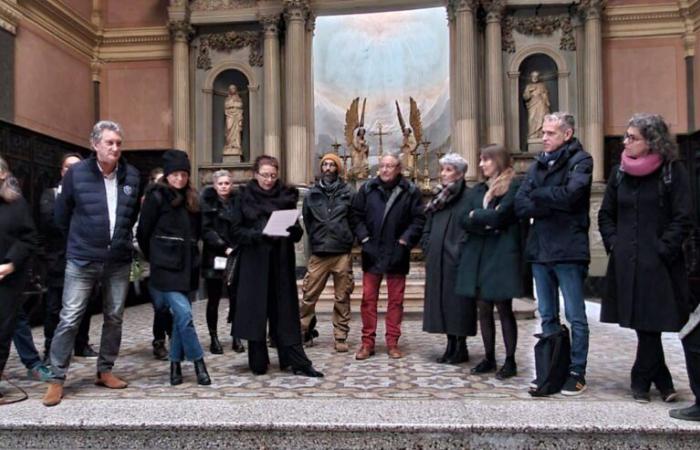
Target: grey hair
565 120
220 173
9 187
396 154
455 160
656 132
98 129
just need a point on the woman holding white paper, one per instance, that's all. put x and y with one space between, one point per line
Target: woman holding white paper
267 289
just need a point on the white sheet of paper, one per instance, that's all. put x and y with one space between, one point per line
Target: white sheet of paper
279 221
219 263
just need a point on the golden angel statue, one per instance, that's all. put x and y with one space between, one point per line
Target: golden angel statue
412 136
356 141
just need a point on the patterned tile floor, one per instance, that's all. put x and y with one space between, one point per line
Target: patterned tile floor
417 376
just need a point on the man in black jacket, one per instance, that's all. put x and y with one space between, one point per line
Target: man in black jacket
96 210
55 249
555 197
327 216
389 221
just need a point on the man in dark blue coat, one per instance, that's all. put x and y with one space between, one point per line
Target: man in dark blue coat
96 211
555 197
388 216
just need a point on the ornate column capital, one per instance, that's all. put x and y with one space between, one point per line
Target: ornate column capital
181 30
295 10
270 24
96 68
449 7
494 9
592 9
310 21
463 5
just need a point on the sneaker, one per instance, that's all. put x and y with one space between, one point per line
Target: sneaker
641 396
86 352
669 395
574 385
341 346
40 373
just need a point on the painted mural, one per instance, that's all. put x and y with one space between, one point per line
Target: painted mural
382 57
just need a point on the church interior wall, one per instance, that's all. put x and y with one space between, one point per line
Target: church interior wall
83 8
644 75
696 83
137 94
136 13
53 86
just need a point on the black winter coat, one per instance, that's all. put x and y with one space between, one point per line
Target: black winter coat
18 240
168 234
491 261
327 217
385 223
557 198
53 239
444 310
81 212
267 286
217 219
643 223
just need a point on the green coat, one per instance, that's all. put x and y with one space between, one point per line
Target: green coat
491 262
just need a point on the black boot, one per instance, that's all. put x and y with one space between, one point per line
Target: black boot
215 346
175 373
202 374
159 351
307 371
451 343
461 354
509 369
237 345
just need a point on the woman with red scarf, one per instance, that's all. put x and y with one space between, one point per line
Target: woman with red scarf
644 219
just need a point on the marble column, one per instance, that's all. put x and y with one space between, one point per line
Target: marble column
296 154
272 87
309 97
494 72
453 78
465 132
181 32
594 84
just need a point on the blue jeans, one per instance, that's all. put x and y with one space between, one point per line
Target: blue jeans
24 342
549 278
184 343
80 279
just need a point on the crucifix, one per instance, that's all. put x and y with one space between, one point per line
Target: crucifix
344 157
379 133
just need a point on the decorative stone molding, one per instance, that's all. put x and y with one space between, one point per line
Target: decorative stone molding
232 40
181 30
9 15
135 44
539 26
295 10
96 69
592 9
310 22
217 5
494 9
270 24
464 5
641 21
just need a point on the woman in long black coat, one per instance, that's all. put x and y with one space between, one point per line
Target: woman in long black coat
217 215
168 232
490 269
267 290
445 311
17 243
644 219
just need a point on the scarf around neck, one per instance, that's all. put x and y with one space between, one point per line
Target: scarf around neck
642 165
443 196
499 186
257 203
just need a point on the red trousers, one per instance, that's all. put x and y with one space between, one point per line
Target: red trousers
396 285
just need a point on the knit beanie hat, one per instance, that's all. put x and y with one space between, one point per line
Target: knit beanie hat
333 157
174 160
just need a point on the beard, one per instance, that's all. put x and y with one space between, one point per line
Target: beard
329 177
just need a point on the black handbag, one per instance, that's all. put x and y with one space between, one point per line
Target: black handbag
552 360
231 263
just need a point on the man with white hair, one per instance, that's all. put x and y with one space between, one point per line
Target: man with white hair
389 221
96 211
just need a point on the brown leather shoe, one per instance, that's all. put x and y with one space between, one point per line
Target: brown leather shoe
109 380
53 395
364 353
341 346
394 352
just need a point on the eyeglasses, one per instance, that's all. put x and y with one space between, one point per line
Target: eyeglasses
267 176
631 137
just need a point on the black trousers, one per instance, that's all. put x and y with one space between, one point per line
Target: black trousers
289 356
215 288
162 324
54 303
650 365
691 348
11 300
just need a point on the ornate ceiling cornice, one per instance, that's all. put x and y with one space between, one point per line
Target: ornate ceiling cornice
644 21
135 44
9 15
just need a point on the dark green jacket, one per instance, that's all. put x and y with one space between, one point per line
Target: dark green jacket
491 261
